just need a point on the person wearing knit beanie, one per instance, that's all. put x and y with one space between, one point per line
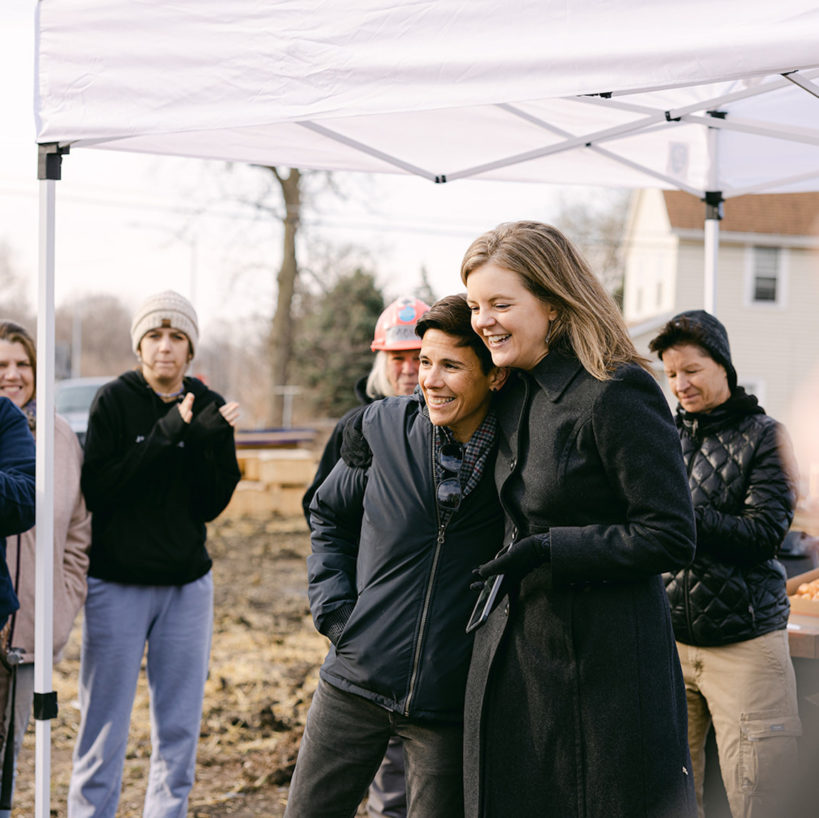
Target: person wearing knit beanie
703 329
729 607
165 309
160 463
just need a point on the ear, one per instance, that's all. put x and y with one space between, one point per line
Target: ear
497 377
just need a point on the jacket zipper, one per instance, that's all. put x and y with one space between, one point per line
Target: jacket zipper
416 659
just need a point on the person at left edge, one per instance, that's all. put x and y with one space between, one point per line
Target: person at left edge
72 539
16 492
160 461
396 529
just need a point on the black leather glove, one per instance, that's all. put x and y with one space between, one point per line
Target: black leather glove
522 557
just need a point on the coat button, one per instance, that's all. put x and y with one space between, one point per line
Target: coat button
506 609
512 463
514 534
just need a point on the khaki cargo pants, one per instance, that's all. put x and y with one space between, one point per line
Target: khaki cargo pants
748 691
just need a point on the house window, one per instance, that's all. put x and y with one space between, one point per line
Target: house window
766 270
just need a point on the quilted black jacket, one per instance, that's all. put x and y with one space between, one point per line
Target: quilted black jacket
744 500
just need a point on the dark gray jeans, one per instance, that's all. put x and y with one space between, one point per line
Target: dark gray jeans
344 742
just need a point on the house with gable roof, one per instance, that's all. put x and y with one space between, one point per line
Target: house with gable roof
767 295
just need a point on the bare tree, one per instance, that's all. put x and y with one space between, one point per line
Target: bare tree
596 225
105 343
14 304
281 331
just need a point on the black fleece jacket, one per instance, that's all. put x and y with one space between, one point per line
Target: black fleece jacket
152 481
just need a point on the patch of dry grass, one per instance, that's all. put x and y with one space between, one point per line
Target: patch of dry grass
263 670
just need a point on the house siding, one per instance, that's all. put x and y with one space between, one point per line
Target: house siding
775 347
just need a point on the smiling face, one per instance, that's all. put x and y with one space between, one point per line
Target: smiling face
697 381
512 321
402 370
456 389
164 353
16 373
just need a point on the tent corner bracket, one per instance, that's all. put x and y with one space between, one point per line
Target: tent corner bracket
45 706
713 204
50 159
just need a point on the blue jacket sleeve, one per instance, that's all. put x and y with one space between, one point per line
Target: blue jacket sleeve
335 520
17 470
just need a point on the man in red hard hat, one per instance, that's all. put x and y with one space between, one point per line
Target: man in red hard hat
394 372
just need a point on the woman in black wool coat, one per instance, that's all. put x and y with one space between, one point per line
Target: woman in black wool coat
575 700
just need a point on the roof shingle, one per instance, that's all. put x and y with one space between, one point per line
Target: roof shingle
789 214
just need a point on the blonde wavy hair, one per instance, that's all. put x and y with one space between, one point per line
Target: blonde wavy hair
588 320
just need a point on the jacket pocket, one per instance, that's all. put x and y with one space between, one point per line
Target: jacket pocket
767 752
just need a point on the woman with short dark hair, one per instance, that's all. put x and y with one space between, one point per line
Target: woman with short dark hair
396 529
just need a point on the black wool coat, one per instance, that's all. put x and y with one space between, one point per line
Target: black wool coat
575 700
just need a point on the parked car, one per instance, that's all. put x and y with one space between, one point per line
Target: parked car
73 400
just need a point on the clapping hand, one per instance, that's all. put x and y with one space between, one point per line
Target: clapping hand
230 412
186 408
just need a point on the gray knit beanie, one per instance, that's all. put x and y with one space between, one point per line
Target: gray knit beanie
169 309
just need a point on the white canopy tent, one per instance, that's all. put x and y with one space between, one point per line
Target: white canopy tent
718 99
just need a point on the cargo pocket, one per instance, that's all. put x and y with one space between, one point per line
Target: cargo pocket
767 753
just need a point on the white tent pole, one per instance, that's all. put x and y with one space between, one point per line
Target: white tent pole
45 700
776 184
547 126
711 252
792 133
368 149
713 214
803 82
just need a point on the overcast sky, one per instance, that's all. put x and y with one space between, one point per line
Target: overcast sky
125 224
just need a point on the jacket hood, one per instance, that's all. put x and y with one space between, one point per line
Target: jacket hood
360 390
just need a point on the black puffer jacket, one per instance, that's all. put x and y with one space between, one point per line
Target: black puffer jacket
744 501
384 561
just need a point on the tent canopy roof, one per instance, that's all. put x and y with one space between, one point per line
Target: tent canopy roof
446 89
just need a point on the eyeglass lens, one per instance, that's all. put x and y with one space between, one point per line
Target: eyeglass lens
449 493
451 456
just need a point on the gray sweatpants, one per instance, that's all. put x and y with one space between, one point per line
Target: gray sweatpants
176 622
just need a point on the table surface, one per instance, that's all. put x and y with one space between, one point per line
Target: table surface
803 636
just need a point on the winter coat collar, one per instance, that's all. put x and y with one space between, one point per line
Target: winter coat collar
739 405
555 372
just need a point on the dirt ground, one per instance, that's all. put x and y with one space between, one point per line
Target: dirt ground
263 670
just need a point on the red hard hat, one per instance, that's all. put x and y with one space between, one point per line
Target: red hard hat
395 328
